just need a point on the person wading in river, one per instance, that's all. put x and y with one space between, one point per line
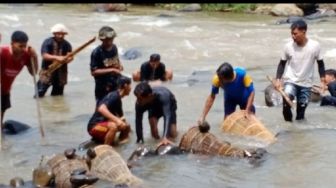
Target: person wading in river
238 90
13 59
109 116
105 64
54 49
153 70
300 55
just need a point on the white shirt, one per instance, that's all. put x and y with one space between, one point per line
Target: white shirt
300 62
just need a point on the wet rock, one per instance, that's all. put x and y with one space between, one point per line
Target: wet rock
132 54
193 7
272 96
14 127
327 6
16 182
321 14
307 8
286 10
109 7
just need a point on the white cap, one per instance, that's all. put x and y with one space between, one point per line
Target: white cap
59 28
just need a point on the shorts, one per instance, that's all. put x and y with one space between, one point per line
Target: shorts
99 131
5 102
302 94
230 105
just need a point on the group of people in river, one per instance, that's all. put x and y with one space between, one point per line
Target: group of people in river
294 76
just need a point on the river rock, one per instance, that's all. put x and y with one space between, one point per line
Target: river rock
263 9
327 6
193 7
131 54
272 96
307 8
109 7
286 10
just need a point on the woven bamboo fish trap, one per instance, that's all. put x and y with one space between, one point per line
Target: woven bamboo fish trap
109 165
63 167
237 123
207 144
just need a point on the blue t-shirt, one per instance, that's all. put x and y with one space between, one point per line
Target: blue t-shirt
239 89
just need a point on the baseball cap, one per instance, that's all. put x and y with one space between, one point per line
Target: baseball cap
106 32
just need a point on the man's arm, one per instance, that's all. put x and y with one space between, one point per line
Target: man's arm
32 65
321 71
248 83
107 114
138 123
279 73
208 104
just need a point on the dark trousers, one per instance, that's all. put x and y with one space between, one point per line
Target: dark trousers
302 95
56 89
328 100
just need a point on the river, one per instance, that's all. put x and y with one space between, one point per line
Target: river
198 43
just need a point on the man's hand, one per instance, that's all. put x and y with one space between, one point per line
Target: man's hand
324 86
278 84
247 114
165 141
200 121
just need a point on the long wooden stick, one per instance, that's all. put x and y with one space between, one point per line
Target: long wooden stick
283 94
37 98
55 65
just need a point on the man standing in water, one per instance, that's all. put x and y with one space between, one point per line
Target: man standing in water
105 64
54 49
153 70
238 90
109 116
300 56
13 59
159 101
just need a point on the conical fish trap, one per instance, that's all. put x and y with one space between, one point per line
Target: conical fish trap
110 166
237 123
207 144
63 167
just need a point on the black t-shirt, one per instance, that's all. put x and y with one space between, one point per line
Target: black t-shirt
147 73
114 105
101 59
50 46
164 100
332 88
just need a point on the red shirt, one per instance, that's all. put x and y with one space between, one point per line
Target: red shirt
10 67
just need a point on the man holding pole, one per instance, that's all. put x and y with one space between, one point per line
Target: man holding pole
300 56
13 59
54 49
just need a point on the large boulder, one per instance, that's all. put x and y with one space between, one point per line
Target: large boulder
327 6
307 8
286 10
108 7
263 9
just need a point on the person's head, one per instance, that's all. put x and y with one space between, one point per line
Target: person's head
225 72
298 31
154 60
143 92
106 35
124 84
59 31
330 75
19 42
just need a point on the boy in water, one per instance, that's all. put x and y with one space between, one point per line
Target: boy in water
109 116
